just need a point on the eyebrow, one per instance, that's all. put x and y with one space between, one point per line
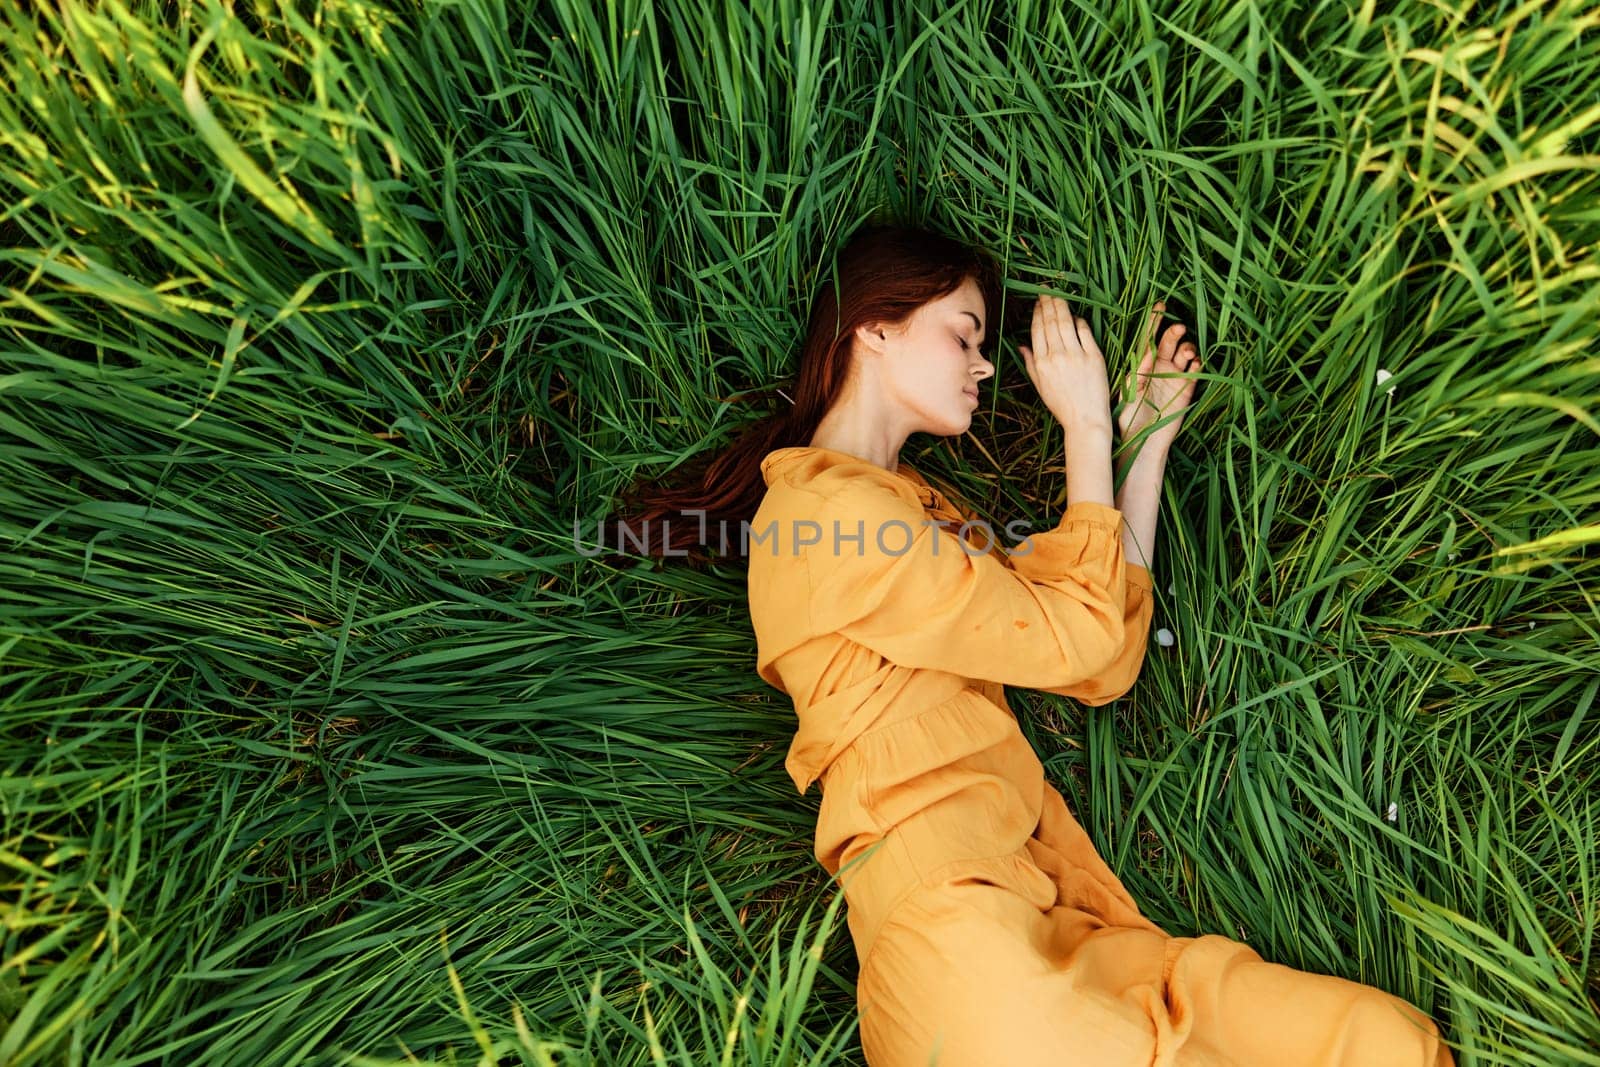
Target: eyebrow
976 321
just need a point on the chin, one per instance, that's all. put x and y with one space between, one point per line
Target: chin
946 424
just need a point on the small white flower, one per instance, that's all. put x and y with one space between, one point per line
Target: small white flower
1531 625
1384 376
1393 814
1164 637
1453 556
1172 588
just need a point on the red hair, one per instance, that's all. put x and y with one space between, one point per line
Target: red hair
884 273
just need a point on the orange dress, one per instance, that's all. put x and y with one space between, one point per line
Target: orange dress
987 928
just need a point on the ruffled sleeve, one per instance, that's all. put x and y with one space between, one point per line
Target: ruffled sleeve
885 576
1118 676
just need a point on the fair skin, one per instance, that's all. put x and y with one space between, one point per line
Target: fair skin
922 375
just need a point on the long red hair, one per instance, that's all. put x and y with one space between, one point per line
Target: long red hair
883 273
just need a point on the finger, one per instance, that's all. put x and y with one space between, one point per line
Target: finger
1086 339
1169 341
1069 324
1155 324
1188 356
1191 385
1050 339
1130 384
1040 326
1049 312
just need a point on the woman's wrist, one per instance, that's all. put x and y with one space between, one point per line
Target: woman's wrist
1150 455
1079 424
1088 462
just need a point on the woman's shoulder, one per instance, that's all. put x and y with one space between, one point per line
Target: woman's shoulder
814 476
813 492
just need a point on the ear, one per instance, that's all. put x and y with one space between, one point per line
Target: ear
870 336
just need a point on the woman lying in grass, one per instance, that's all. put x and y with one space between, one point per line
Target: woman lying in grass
988 928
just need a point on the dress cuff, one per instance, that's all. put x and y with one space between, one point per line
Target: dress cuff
1139 575
1094 513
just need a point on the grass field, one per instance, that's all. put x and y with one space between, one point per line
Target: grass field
323 323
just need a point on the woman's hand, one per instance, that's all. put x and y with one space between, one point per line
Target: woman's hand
1066 366
1151 398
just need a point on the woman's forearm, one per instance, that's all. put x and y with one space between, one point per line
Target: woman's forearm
1088 462
1139 500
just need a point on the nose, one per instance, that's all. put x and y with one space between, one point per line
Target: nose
983 369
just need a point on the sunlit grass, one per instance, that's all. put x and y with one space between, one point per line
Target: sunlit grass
323 742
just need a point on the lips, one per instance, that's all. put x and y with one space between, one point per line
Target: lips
973 393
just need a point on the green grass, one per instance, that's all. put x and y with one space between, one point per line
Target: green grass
321 326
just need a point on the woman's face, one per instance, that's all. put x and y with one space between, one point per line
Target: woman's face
929 367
